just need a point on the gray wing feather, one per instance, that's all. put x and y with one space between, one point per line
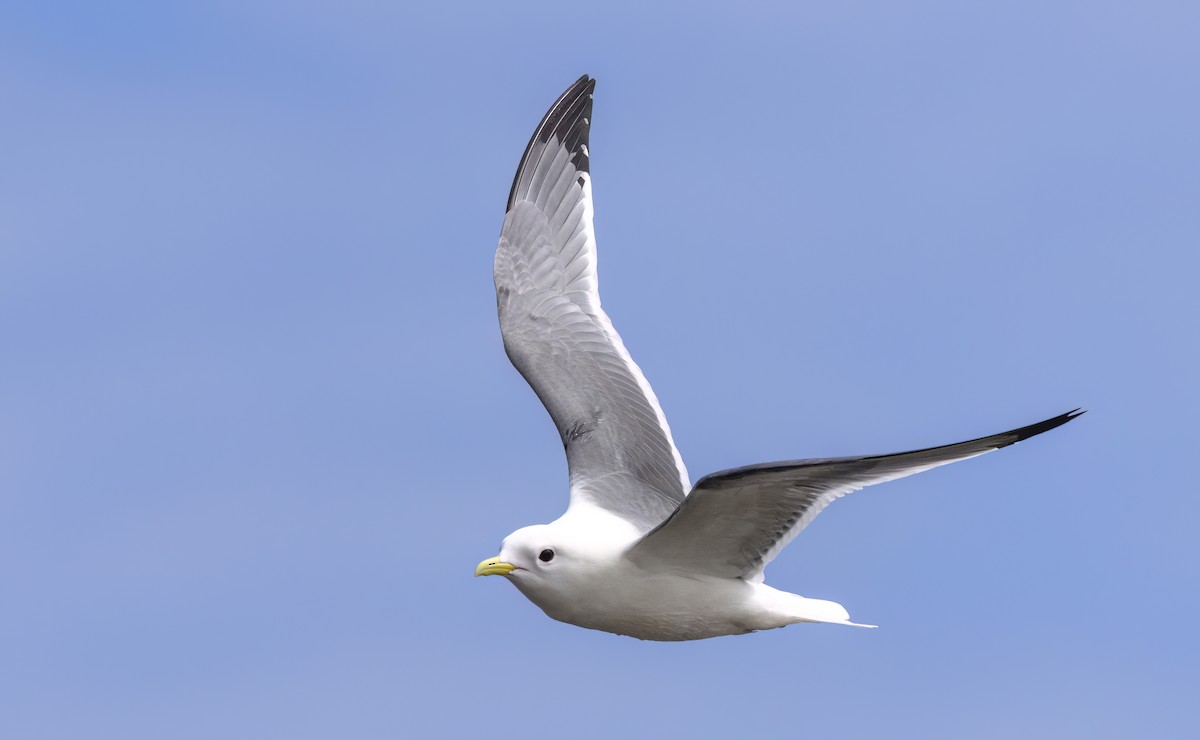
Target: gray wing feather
736 521
619 447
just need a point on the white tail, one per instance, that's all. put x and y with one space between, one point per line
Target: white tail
819 610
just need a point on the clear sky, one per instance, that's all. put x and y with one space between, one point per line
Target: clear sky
257 426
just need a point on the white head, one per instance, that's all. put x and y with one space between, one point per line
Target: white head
555 565
534 549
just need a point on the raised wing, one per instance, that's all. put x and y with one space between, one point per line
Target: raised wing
735 522
619 448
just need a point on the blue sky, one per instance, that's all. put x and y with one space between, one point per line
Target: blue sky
257 426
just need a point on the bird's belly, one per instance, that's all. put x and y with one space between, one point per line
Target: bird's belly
666 607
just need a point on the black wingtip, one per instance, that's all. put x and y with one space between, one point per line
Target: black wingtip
571 114
1042 426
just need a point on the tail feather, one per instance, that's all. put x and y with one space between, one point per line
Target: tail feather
824 612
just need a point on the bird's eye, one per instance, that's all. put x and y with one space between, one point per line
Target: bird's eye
546 556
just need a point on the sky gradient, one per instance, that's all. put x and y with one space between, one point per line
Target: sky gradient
257 425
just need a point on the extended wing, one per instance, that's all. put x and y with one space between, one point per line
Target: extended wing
736 521
619 448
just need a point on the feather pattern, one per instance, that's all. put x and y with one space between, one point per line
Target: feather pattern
735 522
619 447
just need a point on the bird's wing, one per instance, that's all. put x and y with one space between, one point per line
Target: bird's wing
736 521
619 448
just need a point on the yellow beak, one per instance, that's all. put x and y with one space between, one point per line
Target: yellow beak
494 567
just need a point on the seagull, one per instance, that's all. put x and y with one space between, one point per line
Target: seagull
640 551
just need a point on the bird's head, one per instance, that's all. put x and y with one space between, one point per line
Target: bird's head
553 563
530 552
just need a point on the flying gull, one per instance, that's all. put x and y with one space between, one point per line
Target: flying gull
640 551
